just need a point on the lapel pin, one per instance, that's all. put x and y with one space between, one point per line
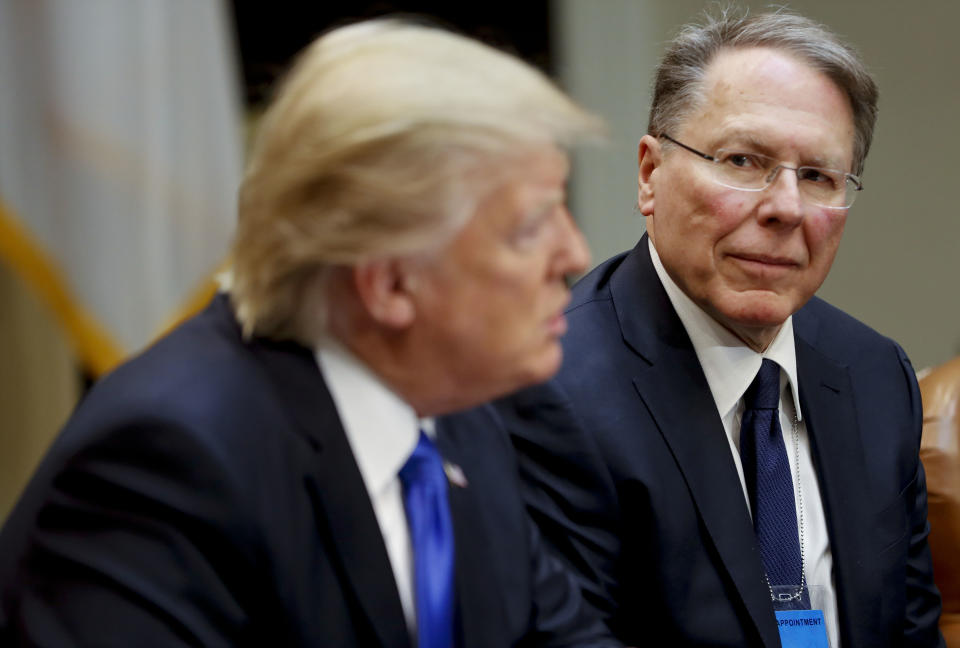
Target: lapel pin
455 475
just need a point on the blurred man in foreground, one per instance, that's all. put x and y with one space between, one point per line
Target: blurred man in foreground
726 459
269 473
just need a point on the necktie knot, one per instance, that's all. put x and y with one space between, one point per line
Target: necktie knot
423 465
764 391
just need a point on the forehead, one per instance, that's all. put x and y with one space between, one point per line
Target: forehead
514 190
527 179
771 96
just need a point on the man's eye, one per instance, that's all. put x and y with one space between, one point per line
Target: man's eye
527 232
535 227
740 160
818 176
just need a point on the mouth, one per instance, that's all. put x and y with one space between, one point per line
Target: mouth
557 324
766 259
763 263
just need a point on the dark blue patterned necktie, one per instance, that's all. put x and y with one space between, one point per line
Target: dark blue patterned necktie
431 533
767 473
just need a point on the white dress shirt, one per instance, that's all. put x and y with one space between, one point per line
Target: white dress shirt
382 431
730 366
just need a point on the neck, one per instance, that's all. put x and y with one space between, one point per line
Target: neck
758 339
425 385
402 358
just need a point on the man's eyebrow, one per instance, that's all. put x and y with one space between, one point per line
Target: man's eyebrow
743 137
553 197
545 204
550 196
824 163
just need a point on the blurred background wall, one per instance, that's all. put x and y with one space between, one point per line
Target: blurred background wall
120 155
897 264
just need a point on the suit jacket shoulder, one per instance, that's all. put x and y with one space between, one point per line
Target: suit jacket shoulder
205 493
197 496
628 472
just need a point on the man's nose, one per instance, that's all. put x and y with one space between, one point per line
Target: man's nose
574 254
782 200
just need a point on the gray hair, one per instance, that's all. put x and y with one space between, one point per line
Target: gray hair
678 84
381 142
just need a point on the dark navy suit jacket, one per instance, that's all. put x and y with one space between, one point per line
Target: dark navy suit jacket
628 473
205 494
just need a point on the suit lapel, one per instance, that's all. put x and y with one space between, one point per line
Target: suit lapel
341 501
675 392
480 608
340 497
826 398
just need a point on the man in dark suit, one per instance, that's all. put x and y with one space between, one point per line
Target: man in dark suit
724 458
272 473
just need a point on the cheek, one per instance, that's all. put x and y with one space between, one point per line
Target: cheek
700 209
823 232
727 210
501 303
705 225
524 304
515 302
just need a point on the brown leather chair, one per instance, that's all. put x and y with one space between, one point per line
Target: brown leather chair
940 453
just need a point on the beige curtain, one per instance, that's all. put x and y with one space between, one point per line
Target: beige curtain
39 385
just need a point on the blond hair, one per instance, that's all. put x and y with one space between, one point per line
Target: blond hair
376 145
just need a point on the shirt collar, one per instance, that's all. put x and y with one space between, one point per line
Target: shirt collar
382 428
728 364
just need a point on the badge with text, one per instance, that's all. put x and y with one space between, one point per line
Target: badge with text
802 629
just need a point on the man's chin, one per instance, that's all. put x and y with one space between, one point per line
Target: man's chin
756 309
755 324
545 367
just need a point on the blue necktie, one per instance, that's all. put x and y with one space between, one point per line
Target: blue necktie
767 473
431 532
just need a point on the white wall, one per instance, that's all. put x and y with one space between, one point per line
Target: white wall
899 263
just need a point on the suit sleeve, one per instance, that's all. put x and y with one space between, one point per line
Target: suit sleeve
922 598
132 543
568 490
561 617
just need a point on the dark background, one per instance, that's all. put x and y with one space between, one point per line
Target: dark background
269 34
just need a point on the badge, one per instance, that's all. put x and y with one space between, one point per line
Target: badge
802 629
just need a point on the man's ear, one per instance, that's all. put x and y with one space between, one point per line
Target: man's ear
648 161
384 289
